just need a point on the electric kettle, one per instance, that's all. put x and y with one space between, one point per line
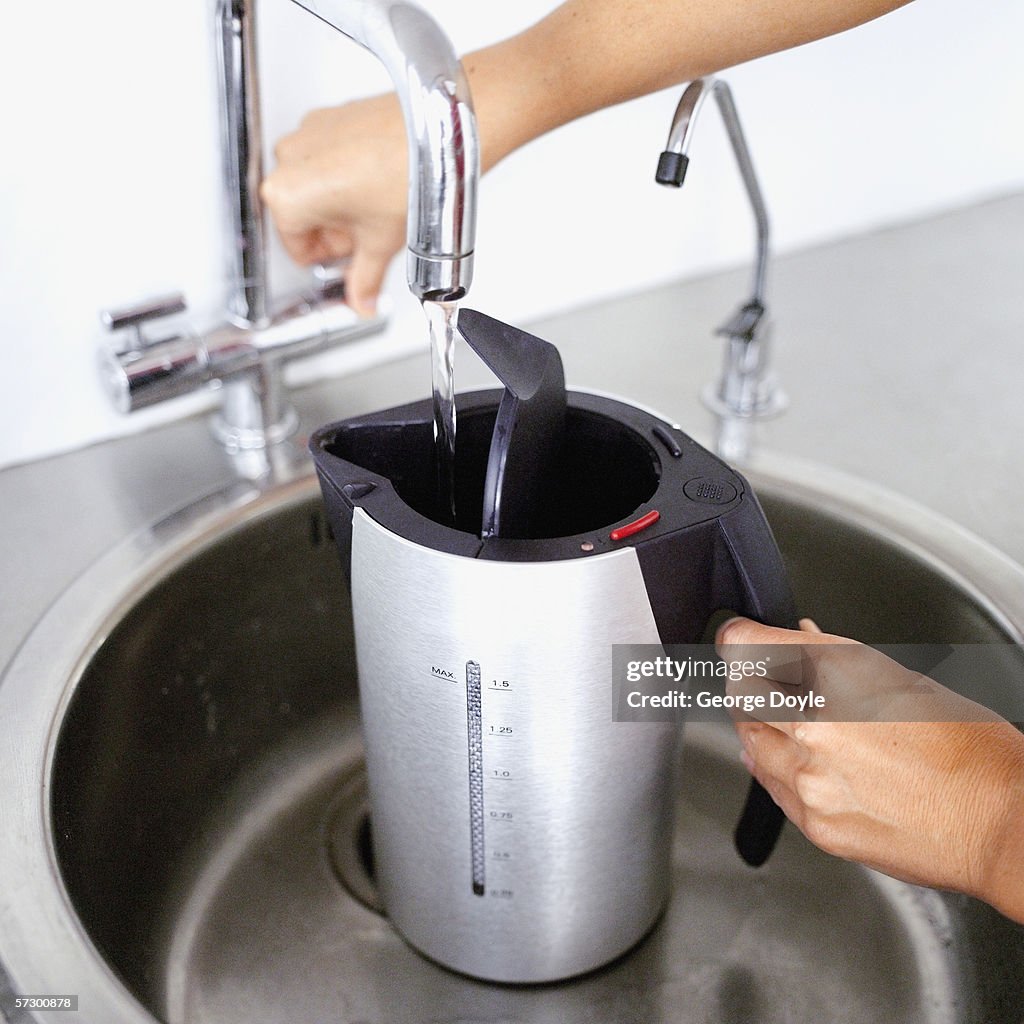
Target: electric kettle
521 834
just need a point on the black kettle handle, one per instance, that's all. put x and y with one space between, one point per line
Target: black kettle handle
760 591
759 827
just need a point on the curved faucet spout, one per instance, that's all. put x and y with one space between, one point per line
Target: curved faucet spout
443 147
674 160
746 389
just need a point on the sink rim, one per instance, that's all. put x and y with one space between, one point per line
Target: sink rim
37 918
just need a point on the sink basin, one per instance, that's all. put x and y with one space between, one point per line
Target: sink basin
183 834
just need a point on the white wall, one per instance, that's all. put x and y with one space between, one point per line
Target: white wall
109 178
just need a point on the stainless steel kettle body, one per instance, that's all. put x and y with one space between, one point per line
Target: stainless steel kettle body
520 833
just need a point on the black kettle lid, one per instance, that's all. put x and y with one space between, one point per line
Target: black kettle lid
530 425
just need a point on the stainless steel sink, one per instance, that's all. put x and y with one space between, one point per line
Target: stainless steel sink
183 831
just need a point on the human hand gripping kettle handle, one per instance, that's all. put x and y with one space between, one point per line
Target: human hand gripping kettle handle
759 590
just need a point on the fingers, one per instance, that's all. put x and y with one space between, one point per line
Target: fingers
364 276
363 280
898 775
743 640
773 759
309 247
778 654
739 630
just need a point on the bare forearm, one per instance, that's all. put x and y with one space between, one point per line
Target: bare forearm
340 186
591 54
1004 888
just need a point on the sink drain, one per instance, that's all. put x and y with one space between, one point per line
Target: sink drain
350 842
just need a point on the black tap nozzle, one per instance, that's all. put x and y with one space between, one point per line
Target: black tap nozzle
671 168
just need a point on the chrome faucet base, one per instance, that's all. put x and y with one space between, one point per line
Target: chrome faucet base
239 439
746 388
735 432
769 400
251 417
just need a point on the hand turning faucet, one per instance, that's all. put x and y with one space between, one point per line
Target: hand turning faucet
244 354
443 149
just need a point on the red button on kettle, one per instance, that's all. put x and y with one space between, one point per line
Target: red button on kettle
622 532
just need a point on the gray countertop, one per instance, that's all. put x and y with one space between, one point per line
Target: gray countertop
902 351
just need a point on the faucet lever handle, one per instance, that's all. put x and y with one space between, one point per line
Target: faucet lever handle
142 312
330 278
328 273
745 323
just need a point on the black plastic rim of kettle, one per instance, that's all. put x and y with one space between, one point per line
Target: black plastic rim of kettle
617 462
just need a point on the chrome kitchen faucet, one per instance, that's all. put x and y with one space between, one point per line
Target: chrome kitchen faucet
746 390
245 353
